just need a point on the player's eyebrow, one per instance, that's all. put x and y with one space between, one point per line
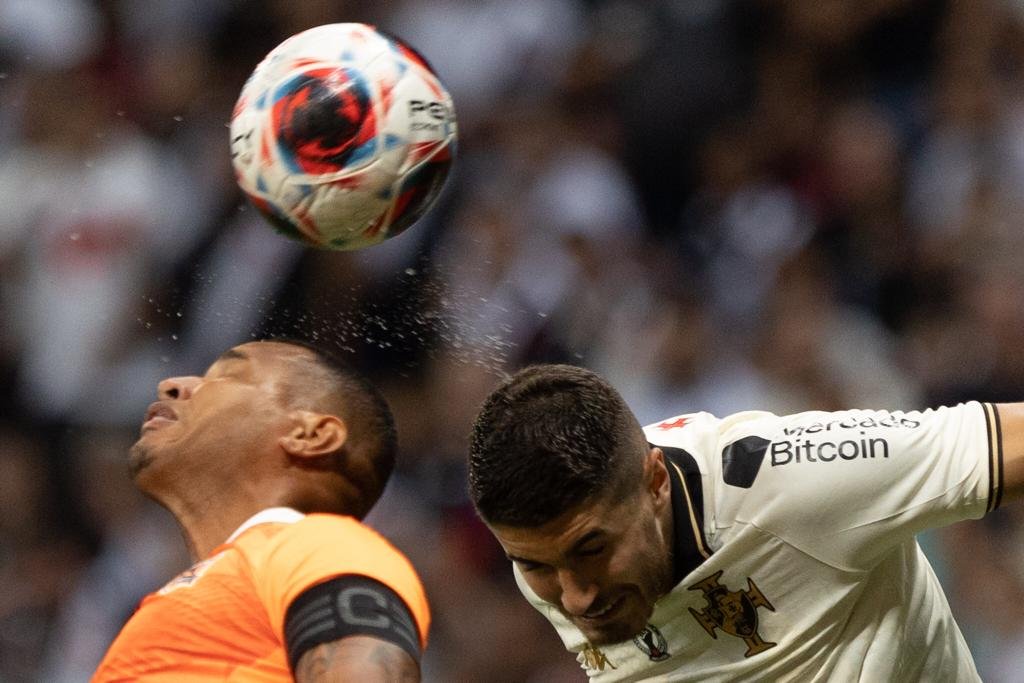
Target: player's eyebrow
233 354
585 539
575 548
516 558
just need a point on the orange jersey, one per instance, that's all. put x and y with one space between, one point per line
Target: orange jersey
223 619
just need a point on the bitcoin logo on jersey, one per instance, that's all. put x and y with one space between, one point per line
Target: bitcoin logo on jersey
735 612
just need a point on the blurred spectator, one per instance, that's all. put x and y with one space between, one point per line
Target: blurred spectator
86 197
37 557
139 549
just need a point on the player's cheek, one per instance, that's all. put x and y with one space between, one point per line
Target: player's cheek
620 568
544 584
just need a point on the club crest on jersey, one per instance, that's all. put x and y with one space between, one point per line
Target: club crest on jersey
652 643
735 612
189 576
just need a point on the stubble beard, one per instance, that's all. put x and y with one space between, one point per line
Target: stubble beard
644 596
139 458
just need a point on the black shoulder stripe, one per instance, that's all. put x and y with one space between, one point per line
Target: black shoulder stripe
995 456
349 605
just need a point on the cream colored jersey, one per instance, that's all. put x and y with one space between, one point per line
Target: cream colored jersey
795 553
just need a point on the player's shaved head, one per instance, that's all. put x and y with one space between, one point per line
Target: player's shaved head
548 439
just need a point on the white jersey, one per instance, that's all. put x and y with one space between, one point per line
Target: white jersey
795 553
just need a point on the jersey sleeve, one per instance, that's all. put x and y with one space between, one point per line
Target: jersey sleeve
848 486
320 548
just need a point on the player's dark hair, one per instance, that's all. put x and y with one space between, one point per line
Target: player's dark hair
367 416
548 439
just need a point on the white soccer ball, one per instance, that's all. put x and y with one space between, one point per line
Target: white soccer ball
342 136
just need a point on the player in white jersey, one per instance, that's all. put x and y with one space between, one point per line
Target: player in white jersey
749 548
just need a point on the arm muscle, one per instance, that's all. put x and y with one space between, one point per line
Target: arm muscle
1011 423
357 658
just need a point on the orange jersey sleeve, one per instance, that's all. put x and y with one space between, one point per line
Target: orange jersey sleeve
321 547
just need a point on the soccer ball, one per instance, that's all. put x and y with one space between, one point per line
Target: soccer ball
342 136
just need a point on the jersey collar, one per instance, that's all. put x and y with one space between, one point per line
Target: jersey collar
690 547
280 515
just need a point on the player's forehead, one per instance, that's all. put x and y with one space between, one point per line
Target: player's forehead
589 520
269 356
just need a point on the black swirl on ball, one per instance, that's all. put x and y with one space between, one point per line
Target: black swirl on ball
322 118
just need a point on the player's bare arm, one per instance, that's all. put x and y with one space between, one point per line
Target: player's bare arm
357 658
1011 424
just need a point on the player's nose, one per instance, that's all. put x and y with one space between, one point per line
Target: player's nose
177 388
578 594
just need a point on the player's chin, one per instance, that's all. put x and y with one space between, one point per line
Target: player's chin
140 458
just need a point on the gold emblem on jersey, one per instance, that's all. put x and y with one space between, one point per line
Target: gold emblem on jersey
735 612
595 659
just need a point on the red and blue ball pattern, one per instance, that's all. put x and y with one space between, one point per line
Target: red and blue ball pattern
324 120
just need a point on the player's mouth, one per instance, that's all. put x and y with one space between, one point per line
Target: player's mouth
158 415
605 613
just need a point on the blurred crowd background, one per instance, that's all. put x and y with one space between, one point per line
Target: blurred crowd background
719 205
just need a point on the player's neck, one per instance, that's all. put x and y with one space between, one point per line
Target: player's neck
667 524
209 521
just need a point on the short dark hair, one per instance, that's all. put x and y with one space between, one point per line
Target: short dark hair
548 439
367 416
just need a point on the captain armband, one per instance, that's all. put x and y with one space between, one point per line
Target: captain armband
344 606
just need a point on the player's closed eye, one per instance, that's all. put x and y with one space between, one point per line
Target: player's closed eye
527 566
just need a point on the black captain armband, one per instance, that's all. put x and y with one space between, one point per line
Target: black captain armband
349 605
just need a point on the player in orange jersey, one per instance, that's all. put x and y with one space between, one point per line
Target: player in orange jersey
268 461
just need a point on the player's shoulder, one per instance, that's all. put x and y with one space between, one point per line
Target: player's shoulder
680 428
702 433
310 534
696 431
329 523
319 530
322 545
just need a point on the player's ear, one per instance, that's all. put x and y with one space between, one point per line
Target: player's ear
313 435
656 478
